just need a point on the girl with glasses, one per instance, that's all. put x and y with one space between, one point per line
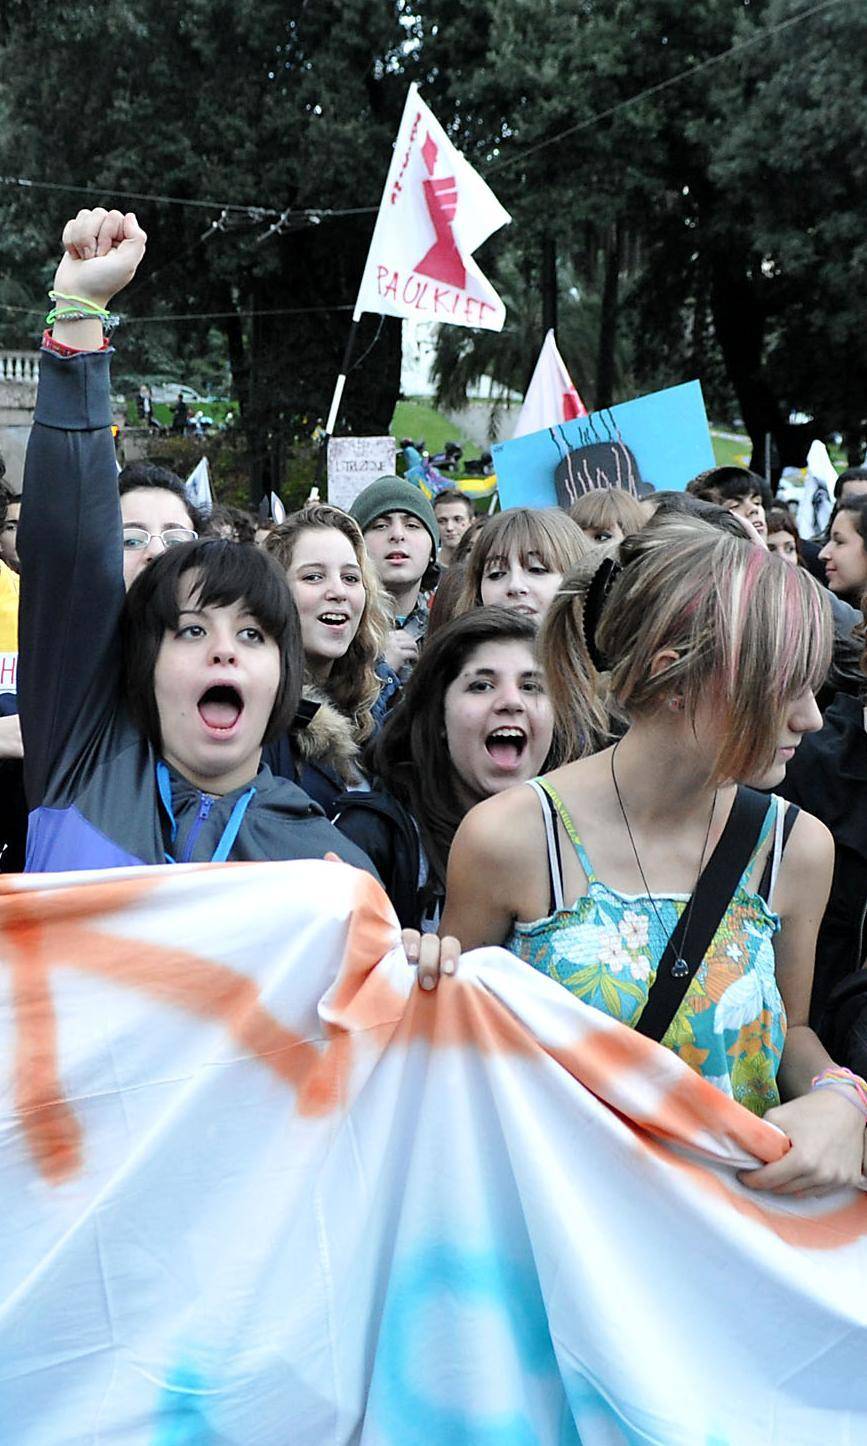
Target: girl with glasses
156 515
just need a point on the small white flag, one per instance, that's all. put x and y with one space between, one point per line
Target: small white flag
552 396
198 487
435 212
817 499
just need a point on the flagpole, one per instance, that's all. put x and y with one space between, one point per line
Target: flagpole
341 380
331 421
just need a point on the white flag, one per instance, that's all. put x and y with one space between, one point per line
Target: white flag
552 396
435 212
817 498
198 487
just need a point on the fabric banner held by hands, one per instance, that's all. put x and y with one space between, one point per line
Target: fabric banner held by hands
435 213
256 1186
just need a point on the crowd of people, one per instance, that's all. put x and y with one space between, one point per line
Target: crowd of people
625 742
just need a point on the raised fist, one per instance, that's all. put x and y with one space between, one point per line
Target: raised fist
102 251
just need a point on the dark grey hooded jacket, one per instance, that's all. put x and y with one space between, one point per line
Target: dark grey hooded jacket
91 777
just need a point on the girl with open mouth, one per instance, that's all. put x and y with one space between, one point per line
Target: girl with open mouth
143 715
474 719
344 627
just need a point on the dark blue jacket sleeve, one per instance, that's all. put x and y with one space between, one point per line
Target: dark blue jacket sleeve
72 591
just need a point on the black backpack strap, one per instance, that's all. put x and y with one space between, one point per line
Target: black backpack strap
713 894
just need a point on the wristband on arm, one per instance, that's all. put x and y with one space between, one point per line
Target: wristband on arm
60 348
851 1086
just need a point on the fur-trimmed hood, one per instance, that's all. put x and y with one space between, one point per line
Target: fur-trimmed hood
325 738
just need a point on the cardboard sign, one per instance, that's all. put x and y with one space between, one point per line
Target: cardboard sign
8 672
355 462
666 432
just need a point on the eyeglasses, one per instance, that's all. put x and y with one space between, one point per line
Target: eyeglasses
135 539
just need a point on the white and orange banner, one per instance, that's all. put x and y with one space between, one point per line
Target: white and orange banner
256 1187
435 213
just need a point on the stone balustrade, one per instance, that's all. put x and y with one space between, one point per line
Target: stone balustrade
19 366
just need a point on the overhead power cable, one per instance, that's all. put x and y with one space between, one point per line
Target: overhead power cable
252 213
282 218
204 315
661 85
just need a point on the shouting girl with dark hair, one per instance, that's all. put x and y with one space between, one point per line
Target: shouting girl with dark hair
143 719
473 719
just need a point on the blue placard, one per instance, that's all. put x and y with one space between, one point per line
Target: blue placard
667 433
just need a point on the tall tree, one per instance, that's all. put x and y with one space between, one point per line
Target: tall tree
265 107
788 226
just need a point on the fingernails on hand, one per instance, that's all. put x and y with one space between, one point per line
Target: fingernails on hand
426 982
448 966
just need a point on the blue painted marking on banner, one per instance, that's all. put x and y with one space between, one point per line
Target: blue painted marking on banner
592 1409
400 1405
180 1415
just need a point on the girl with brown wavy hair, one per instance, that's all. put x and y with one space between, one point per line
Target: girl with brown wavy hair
344 624
472 720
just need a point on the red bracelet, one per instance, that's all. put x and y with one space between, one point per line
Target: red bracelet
60 348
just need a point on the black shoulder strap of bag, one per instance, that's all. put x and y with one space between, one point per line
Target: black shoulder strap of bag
712 897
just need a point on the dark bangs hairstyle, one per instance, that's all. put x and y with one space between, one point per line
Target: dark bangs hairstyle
729 484
410 754
851 474
226 572
148 476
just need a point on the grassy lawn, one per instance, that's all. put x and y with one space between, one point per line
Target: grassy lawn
731 454
419 419
163 412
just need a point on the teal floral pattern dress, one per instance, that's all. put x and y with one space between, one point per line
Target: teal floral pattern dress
605 948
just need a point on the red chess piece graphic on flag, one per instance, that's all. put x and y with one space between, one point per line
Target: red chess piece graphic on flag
443 262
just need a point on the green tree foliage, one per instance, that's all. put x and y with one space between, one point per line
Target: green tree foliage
248 101
789 232
716 226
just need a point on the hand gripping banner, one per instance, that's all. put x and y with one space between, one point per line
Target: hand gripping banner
259 1188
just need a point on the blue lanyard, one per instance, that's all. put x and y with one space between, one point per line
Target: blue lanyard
230 832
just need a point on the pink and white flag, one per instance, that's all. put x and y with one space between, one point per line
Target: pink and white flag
435 212
552 396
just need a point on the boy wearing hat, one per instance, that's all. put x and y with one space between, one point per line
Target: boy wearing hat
402 538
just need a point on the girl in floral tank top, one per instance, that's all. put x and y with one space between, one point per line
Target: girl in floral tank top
606 948
704 652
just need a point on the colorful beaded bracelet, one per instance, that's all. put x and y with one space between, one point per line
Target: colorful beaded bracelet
836 1077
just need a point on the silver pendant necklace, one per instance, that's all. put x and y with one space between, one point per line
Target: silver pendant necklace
679 966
